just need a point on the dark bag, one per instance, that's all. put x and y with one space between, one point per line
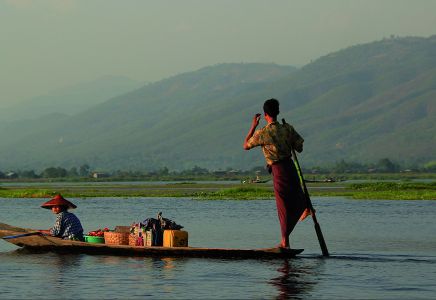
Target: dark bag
157 227
162 223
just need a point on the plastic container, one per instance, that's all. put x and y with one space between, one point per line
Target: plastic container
175 238
94 239
149 238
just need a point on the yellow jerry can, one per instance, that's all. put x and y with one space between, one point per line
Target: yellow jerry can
175 238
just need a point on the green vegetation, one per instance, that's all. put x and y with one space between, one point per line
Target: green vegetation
394 190
374 177
238 193
229 191
25 193
377 190
113 190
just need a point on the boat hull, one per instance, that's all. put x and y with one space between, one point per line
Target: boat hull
36 242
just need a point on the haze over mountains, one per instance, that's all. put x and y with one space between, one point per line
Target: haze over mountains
70 100
362 104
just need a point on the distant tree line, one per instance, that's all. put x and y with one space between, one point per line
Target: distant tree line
50 172
384 165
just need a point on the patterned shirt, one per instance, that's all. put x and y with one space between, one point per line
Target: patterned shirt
67 226
275 140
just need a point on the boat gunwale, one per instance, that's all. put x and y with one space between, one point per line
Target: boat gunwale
43 243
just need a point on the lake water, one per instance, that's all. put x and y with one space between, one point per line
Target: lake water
379 250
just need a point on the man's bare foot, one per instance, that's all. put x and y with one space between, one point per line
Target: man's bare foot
305 214
284 244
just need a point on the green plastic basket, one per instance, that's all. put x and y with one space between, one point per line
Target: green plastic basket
94 239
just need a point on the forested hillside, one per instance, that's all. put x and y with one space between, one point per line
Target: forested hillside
362 103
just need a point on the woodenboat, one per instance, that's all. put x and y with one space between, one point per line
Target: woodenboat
36 242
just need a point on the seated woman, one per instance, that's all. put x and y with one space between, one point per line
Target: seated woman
67 226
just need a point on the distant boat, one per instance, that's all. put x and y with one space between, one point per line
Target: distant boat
256 180
327 179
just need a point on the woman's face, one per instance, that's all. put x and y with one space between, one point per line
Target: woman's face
56 209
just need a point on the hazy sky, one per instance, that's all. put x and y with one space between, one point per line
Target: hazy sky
48 44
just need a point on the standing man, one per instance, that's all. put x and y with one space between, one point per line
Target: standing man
276 141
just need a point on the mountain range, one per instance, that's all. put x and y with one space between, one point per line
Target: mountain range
362 103
69 100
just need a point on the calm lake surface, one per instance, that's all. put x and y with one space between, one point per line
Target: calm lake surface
379 250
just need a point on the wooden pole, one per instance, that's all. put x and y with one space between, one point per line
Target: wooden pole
318 231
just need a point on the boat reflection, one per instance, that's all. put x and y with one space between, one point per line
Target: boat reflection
295 280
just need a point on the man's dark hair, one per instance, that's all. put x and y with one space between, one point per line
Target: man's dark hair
271 107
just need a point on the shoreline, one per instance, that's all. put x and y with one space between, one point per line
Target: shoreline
223 191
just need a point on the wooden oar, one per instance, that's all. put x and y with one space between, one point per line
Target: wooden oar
22 235
321 240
